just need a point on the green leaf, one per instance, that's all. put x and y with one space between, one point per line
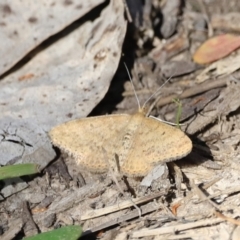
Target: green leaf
18 170
64 233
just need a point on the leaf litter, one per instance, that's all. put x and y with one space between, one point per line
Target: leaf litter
190 198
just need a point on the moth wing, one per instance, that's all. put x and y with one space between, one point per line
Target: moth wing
154 143
86 138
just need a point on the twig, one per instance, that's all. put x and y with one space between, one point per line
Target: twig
227 191
203 87
29 226
175 228
114 178
133 214
125 204
231 220
202 195
206 16
138 92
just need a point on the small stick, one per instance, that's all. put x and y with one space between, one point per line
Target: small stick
203 87
175 228
206 86
117 183
125 204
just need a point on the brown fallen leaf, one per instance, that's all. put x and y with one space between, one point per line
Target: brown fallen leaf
216 48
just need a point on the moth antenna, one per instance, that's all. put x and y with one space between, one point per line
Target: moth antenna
157 91
139 106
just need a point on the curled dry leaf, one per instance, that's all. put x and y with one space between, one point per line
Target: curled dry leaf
216 48
25 24
64 81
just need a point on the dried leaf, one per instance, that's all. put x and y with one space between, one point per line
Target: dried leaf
25 24
216 48
64 81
